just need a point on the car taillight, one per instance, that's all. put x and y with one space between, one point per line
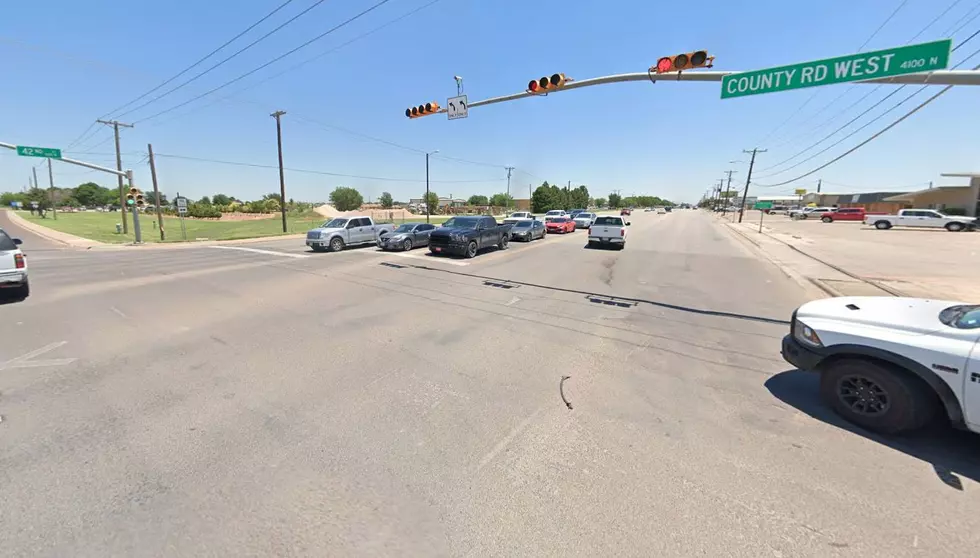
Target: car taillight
622 232
19 261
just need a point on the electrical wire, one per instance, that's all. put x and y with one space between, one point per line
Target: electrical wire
873 137
325 173
212 53
869 109
270 62
213 67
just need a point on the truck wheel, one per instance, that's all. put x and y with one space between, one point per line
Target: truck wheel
471 249
503 242
23 291
336 244
407 245
875 397
954 227
883 225
827 219
317 248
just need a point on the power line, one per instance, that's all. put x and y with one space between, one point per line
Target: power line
817 91
236 53
875 136
270 62
212 53
318 172
869 109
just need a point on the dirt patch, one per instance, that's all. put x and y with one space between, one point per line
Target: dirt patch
375 212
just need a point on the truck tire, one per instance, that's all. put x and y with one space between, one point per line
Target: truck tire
504 242
876 397
336 244
827 219
22 292
317 248
472 249
955 227
883 225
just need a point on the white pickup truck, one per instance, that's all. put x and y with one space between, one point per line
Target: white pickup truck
13 268
923 218
340 232
891 364
608 230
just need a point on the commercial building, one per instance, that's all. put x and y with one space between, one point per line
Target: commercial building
954 199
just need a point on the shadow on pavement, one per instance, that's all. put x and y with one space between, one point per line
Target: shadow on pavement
703 312
952 453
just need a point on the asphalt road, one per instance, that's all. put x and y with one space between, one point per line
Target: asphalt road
260 399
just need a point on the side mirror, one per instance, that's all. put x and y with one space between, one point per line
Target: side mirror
17 241
627 223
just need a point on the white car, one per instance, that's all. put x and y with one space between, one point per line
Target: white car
555 214
520 215
661 211
13 268
890 364
584 220
807 211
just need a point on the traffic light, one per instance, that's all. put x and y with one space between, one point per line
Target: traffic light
131 196
546 84
140 202
680 62
422 110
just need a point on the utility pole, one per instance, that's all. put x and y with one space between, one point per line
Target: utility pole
727 187
509 170
54 209
156 190
282 177
721 201
819 183
122 194
748 180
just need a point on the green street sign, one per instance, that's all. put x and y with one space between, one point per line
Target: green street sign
924 57
27 151
763 205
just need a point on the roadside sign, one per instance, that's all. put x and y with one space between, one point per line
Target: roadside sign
800 191
456 107
181 205
911 59
28 151
763 205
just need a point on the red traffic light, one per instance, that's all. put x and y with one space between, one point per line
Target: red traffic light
686 61
546 83
532 86
663 65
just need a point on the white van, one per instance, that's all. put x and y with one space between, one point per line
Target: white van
13 268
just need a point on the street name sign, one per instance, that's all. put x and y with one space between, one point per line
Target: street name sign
456 107
911 59
28 151
763 205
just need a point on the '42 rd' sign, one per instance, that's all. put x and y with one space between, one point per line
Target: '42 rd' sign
911 59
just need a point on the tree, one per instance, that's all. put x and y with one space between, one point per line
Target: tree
386 200
346 199
578 198
615 201
501 200
39 196
90 194
432 202
218 199
478 200
7 197
600 202
546 197
273 196
204 201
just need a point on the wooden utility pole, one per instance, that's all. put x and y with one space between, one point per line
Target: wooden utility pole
748 180
122 192
156 190
282 177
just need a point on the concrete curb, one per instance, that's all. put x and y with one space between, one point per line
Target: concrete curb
51 234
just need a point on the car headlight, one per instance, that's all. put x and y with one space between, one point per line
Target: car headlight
805 334
456 237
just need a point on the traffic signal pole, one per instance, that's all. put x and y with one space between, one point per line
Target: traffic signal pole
136 212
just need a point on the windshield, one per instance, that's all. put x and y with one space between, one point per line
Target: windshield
584 216
334 224
522 224
614 221
462 222
554 212
559 220
963 316
404 228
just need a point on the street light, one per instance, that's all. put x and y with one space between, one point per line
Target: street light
426 200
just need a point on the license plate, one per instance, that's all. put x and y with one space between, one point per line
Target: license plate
438 249
605 240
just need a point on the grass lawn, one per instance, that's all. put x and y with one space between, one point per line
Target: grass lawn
101 227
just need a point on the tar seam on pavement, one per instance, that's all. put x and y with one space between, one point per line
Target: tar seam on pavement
561 390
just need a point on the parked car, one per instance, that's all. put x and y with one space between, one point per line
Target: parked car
560 225
583 220
527 230
406 237
806 212
844 214
468 235
521 215
922 218
891 364
625 211
608 231
338 233
668 209
661 211
555 214
13 268
572 213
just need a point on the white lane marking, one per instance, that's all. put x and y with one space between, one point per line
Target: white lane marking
24 361
513 301
430 259
260 251
118 311
506 440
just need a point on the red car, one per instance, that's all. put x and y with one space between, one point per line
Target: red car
560 225
843 214
625 211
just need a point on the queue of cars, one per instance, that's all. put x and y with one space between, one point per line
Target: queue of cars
916 218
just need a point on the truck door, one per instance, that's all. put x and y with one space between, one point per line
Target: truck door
971 390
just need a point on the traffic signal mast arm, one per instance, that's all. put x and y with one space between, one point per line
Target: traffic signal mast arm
76 162
939 77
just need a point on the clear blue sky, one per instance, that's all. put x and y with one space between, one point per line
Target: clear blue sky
69 63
